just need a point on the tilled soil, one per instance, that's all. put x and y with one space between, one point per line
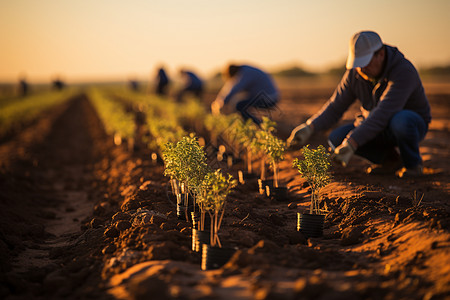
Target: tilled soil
82 218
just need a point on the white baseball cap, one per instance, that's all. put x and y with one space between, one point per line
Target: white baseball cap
361 48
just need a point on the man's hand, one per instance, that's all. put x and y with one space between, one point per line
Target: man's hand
300 135
216 106
343 153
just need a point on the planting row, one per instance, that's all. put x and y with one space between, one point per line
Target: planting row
201 192
24 110
200 189
117 122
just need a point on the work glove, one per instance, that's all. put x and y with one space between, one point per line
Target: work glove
299 136
343 153
216 106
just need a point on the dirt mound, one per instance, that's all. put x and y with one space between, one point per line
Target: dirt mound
82 218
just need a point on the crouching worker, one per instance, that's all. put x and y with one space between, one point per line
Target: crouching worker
395 111
245 88
192 84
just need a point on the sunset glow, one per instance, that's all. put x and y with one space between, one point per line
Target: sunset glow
86 40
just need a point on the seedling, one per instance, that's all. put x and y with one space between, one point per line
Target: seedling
216 188
315 169
274 148
185 164
245 135
216 125
260 143
117 121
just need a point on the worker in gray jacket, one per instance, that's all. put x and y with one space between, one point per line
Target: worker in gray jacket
395 112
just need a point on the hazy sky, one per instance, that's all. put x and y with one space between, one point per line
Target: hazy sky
86 39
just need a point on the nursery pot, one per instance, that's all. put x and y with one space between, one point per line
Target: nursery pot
199 238
196 219
311 225
183 212
215 257
277 193
243 176
263 183
248 179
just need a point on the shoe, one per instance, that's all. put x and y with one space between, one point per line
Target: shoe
386 168
417 171
390 165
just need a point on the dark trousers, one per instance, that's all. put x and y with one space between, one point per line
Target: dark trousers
244 107
405 130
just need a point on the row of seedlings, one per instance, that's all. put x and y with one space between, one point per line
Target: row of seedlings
202 193
117 122
261 143
22 111
165 119
257 142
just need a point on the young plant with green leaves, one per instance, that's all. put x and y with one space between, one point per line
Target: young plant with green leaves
14 113
216 188
164 119
274 148
314 167
185 164
245 135
259 145
118 123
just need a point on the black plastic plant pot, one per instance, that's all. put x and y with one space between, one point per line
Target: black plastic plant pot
248 179
215 257
237 159
200 238
311 225
183 212
262 185
247 176
196 219
277 193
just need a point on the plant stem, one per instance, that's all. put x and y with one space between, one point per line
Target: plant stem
275 174
221 217
263 168
211 234
249 161
311 207
202 221
216 229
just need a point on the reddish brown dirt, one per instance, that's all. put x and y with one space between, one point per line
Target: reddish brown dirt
81 218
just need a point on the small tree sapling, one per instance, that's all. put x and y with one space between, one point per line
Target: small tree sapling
185 162
274 148
245 135
216 189
259 143
314 167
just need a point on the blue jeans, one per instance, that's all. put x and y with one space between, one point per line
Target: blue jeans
261 102
405 130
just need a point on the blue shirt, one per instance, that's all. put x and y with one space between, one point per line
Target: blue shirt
162 77
194 81
252 81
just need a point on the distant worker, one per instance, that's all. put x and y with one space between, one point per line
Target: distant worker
245 87
395 112
192 84
134 85
162 82
23 87
58 84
